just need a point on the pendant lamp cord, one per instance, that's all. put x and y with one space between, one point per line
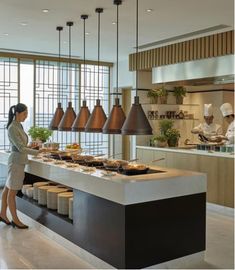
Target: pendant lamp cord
98 54
59 29
84 53
137 44
70 66
69 24
117 51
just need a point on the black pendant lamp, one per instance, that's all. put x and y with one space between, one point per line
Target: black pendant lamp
117 116
136 122
59 110
84 113
97 119
69 115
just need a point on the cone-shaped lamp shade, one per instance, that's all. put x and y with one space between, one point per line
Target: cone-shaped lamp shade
97 119
57 117
136 122
82 118
68 119
115 120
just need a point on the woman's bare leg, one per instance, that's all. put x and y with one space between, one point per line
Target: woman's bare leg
11 200
3 213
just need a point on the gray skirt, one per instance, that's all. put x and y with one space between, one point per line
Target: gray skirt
16 176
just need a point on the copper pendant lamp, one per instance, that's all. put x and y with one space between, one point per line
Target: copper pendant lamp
59 110
117 116
84 113
97 119
136 122
69 115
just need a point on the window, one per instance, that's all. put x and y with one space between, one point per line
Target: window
42 93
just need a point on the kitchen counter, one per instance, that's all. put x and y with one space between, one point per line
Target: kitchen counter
188 151
126 221
120 188
218 166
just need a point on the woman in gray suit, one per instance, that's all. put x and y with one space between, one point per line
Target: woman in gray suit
16 163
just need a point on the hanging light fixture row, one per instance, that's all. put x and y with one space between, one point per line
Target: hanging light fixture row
59 110
84 113
135 124
117 116
97 119
69 115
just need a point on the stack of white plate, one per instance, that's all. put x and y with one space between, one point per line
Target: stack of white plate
71 208
63 202
42 194
52 197
24 188
29 192
35 188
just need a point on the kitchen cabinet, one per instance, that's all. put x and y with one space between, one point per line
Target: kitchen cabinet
219 168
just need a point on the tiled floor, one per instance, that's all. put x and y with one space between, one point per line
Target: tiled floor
33 249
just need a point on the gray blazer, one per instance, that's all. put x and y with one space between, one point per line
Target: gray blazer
19 140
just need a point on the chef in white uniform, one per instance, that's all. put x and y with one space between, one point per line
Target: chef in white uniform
208 128
228 114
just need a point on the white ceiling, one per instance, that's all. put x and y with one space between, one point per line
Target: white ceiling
169 18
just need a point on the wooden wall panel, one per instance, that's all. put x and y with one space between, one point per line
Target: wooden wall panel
195 49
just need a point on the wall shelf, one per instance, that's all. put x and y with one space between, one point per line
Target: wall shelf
172 119
170 104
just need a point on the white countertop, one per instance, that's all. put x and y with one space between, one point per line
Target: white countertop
120 188
188 151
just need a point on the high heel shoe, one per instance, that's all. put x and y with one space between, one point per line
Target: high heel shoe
13 224
4 221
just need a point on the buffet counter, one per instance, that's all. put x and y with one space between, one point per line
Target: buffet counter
219 167
127 221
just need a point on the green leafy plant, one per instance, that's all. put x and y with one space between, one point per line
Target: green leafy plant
152 93
162 92
173 136
173 133
40 133
164 125
160 138
179 91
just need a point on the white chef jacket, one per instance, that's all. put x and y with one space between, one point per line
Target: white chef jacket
209 130
230 133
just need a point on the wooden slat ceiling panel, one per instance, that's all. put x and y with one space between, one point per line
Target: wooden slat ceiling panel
199 48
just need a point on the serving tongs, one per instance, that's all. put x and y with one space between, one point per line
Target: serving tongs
156 160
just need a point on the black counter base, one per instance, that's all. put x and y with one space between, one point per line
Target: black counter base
132 236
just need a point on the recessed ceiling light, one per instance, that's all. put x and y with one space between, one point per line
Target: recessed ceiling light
24 23
113 22
6 34
45 10
149 9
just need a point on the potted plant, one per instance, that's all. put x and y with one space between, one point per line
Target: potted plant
40 133
160 141
179 93
173 136
164 125
152 94
162 94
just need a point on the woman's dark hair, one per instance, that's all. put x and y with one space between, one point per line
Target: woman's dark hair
20 107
